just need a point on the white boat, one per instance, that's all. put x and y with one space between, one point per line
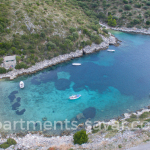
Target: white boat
74 96
21 84
110 50
76 64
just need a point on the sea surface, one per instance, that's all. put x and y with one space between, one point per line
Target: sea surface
110 84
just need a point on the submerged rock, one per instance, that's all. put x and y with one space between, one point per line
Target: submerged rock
11 97
62 84
15 106
80 116
18 99
14 92
89 112
20 112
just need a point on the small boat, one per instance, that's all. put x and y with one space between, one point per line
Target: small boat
21 84
110 50
74 96
76 64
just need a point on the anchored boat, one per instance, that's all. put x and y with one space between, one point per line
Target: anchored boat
74 97
110 50
21 84
76 64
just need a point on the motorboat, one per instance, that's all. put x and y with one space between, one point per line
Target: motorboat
76 64
21 84
110 50
74 96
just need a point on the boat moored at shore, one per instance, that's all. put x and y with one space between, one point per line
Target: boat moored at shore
110 50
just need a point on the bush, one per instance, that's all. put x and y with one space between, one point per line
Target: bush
125 1
144 115
127 7
148 22
4 145
120 10
1 60
148 3
2 70
105 31
137 5
80 137
21 65
9 142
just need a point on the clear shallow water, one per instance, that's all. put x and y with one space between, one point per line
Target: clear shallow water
112 83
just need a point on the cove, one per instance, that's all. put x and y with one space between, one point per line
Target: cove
110 84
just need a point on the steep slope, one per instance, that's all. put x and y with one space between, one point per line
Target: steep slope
38 30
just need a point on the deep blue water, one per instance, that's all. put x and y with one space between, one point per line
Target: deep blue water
112 83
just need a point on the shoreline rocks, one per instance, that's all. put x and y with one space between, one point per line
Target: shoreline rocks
129 30
61 58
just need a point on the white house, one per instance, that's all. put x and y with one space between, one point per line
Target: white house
9 62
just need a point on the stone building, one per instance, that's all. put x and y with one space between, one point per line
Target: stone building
9 62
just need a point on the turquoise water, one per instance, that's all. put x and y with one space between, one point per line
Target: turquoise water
112 83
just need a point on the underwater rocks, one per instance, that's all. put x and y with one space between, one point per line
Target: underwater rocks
62 84
89 112
15 106
18 99
20 112
35 81
80 116
14 92
12 96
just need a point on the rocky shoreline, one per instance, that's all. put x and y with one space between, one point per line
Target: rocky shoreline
111 40
126 138
129 30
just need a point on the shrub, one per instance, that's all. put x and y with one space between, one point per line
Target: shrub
119 146
111 21
4 145
21 65
80 137
127 7
148 22
148 3
144 115
138 5
9 142
1 60
105 31
125 1
120 10
72 29
2 70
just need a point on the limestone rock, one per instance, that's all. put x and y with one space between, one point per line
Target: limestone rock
80 116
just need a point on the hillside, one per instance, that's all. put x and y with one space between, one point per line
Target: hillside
127 13
38 30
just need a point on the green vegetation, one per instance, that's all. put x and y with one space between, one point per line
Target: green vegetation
8 143
144 115
80 137
2 70
38 30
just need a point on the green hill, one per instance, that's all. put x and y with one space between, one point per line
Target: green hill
38 30
128 13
